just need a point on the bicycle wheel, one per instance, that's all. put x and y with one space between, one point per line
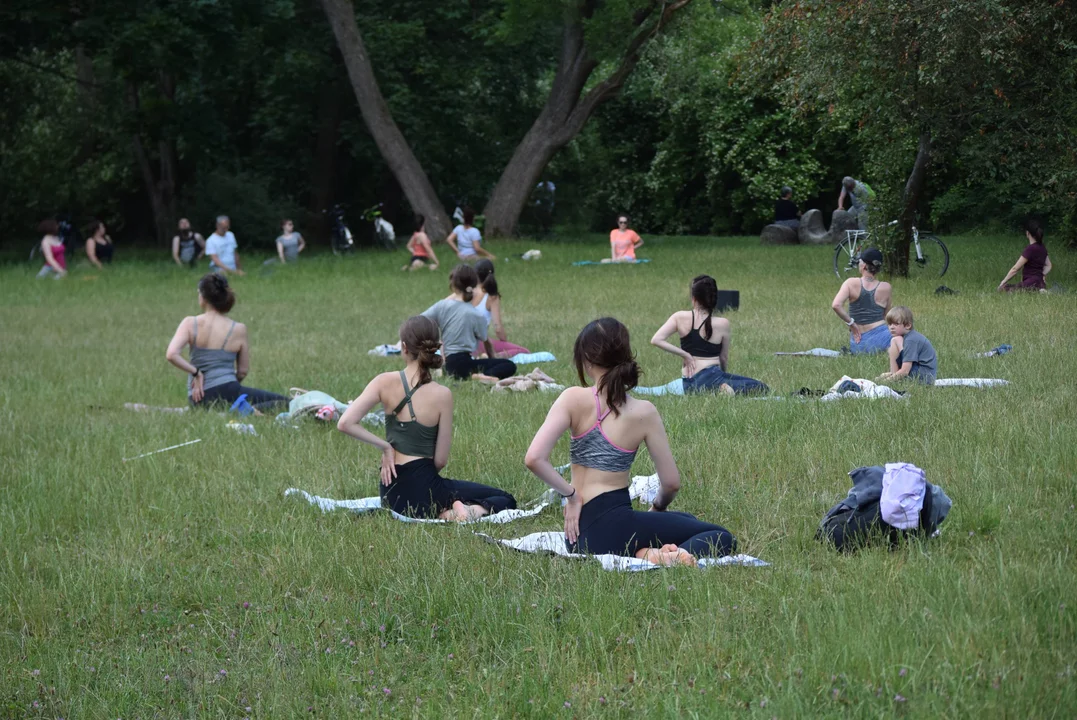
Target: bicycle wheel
934 257
846 258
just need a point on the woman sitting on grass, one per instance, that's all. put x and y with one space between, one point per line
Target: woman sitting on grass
99 245
418 435
487 302
704 344
419 246
52 249
463 328
220 355
607 427
869 300
1033 263
624 242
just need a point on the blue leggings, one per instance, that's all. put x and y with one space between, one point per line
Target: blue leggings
871 342
710 379
609 525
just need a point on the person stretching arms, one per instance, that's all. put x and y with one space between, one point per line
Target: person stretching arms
418 435
607 427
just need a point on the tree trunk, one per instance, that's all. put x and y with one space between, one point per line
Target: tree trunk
914 187
566 111
160 184
379 120
323 169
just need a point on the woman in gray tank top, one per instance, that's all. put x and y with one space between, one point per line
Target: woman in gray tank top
869 300
220 356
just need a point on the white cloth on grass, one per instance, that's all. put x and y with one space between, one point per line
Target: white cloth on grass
902 499
553 542
814 352
971 382
644 488
868 389
370 504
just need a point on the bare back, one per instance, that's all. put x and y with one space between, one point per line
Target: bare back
217 332
625 431
431 402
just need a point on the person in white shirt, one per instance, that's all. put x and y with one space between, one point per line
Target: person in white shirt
221 248
466 240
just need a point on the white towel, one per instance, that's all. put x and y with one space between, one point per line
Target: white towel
553 542
971 382
643 487
370 504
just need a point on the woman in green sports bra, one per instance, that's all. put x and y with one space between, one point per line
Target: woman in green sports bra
418 434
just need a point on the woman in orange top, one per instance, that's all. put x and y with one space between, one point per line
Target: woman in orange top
623 242
419 246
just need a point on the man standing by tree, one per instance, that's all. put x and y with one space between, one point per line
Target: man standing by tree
859 194
221 248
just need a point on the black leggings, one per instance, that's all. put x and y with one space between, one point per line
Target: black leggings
461 366
419 491
229 392
608 524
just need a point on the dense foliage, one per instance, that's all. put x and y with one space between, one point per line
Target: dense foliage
141 113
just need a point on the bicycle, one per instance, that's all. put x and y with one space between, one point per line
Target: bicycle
383 229
921 262
340 237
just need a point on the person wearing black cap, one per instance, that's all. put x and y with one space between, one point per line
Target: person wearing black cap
869 301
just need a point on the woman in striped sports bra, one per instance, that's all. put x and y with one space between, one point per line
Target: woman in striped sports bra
869 301
607 427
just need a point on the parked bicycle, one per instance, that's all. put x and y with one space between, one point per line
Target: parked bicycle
384 234
340 237
928 253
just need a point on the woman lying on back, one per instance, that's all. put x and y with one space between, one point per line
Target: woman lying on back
418 434
607 427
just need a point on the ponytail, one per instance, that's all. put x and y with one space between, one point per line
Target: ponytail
485 271
464 280
705 292
420 335
616 383
604 343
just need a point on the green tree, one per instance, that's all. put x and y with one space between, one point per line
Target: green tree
600 46
918 77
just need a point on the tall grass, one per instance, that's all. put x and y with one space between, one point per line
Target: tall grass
184 584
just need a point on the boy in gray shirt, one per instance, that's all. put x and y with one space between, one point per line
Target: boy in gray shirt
911 354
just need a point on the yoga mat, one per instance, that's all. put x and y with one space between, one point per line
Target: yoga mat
579 263
553 542
814 352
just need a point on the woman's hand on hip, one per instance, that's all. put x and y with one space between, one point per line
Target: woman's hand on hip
855 330
572 517
689 366
197 387
388 466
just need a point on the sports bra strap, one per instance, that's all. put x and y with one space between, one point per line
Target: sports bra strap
408 393
599 417
233 327
697 329
194 338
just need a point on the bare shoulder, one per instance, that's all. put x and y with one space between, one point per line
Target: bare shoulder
240 330
722 323
641 410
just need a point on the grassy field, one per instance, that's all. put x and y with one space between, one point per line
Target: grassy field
185 585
